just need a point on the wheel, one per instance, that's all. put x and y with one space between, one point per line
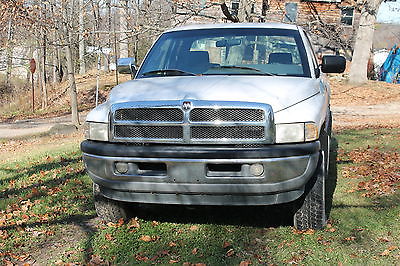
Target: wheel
107 209
311 212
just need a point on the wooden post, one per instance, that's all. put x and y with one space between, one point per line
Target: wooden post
32 68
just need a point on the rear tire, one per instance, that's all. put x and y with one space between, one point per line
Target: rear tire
311 210
107 209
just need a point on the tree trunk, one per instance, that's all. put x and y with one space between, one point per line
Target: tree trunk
82 64
363 45
37 55
244 12
71 81
43 70
108 56
9 54
123 37
56 66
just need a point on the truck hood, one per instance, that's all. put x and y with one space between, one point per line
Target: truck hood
279 92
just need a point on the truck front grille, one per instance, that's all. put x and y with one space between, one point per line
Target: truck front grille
227 132
241 115
175 122
148 132
149 114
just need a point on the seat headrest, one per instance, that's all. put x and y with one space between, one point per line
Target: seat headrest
199 57
280 58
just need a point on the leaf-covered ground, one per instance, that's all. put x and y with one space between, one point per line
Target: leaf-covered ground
47 214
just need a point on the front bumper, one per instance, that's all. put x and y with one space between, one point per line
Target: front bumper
201 175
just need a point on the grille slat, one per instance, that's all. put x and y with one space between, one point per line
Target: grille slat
227 132
149 114
148 132
226 114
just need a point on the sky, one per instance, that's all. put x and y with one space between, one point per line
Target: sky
389 12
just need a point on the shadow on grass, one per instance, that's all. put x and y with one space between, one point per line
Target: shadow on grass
53 197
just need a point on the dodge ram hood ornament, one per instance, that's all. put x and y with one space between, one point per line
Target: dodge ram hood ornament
186 105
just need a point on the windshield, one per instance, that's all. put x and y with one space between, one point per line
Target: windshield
226 51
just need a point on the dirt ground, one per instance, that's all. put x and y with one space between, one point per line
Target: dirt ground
374 104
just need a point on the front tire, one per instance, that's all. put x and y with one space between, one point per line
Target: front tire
311 209
107 209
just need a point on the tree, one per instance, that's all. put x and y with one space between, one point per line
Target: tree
82 64
364 39
67 22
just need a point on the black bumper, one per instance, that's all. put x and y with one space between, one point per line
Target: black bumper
198 151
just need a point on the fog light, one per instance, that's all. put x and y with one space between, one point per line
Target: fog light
122 168
256 169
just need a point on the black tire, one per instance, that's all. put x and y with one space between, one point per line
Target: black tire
311 210
107 209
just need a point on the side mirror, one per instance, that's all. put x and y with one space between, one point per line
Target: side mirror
333 64
126 66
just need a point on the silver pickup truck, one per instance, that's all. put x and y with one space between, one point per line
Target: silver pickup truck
229 114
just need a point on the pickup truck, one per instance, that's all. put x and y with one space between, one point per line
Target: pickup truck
222 114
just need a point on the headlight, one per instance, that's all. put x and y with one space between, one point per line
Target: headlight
296 132
96 131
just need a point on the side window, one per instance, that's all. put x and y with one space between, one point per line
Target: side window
347 16
290 12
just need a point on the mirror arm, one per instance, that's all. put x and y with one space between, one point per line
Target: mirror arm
318 71
133 71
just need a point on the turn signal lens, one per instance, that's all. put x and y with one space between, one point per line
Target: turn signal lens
310 131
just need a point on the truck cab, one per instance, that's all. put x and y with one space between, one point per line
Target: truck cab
221 114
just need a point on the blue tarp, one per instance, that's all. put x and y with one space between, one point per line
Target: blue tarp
390 70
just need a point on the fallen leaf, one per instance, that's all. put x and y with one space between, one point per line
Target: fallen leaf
139 257
154 223
96 260
385 253
194 251
309 232
193 228
134 223
109 237
350 238
145 238
120 222
245 263
226 244
383 239
172 244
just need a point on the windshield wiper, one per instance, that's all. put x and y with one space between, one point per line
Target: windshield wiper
167 72
245 68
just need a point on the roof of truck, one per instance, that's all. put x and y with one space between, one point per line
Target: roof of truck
235 25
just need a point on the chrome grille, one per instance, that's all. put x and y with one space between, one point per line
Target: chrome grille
241 115
148 132
206 122
227 132
149 114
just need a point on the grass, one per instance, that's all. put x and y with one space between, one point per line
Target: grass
46 202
